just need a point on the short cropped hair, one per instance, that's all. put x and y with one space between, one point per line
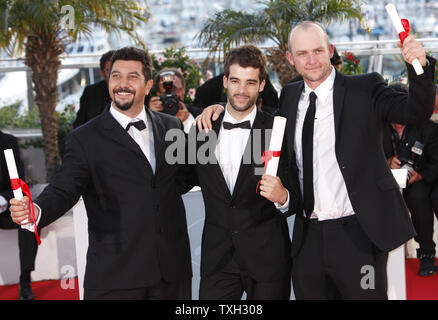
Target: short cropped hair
246 56
306 25
131 53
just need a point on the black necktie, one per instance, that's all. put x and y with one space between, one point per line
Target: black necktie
140 125
307 145
244 125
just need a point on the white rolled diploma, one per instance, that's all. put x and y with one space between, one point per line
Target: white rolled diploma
401 176
13 173
396 22
275 144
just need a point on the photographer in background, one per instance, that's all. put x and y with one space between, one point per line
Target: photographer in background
415 147
170 88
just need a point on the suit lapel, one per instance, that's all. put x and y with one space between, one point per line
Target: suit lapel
338 100
292 100
115 132
216 168
159 134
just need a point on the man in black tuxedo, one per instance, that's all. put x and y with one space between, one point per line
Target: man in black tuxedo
95 97
138 241
245 242
26 240
352 211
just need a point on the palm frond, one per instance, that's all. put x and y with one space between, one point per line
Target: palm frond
42 17
230 28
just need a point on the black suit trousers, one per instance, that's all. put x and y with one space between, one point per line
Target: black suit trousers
418 199
232 280
27 243
338 261
161 291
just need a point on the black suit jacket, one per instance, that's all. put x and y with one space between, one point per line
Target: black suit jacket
8 141
244 223
425 133
136 219
363 106
94 100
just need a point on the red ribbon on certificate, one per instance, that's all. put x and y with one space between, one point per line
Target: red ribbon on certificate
403 35
18 183
266 157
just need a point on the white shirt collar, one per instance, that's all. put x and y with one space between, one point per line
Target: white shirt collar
124 120
323 90
229 118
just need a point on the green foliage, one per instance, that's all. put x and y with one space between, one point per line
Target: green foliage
11 119
64 123
230 28
177 58
351 64
21 18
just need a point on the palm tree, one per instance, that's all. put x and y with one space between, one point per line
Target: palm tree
231 28
40 28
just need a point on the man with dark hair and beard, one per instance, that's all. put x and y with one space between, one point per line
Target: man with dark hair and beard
138 241
245 242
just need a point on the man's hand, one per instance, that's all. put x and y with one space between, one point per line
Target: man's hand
412 49
182 113
415 177
394 163
203 121
272 189
155 104
20 210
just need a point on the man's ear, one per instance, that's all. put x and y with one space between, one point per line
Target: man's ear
225 81
331 50
262 86
290 58
149 85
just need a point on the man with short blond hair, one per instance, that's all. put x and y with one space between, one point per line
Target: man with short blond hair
352 213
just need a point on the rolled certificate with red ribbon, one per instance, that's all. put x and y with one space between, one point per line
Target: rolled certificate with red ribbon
271 157
402 28
19 187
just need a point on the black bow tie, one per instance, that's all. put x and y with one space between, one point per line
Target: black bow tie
244 125
140 125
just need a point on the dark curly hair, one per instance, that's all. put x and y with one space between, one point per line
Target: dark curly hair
246 56
131 53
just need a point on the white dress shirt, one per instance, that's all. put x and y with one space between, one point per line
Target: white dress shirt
144 138
330 191
229 151
230 147
188 123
